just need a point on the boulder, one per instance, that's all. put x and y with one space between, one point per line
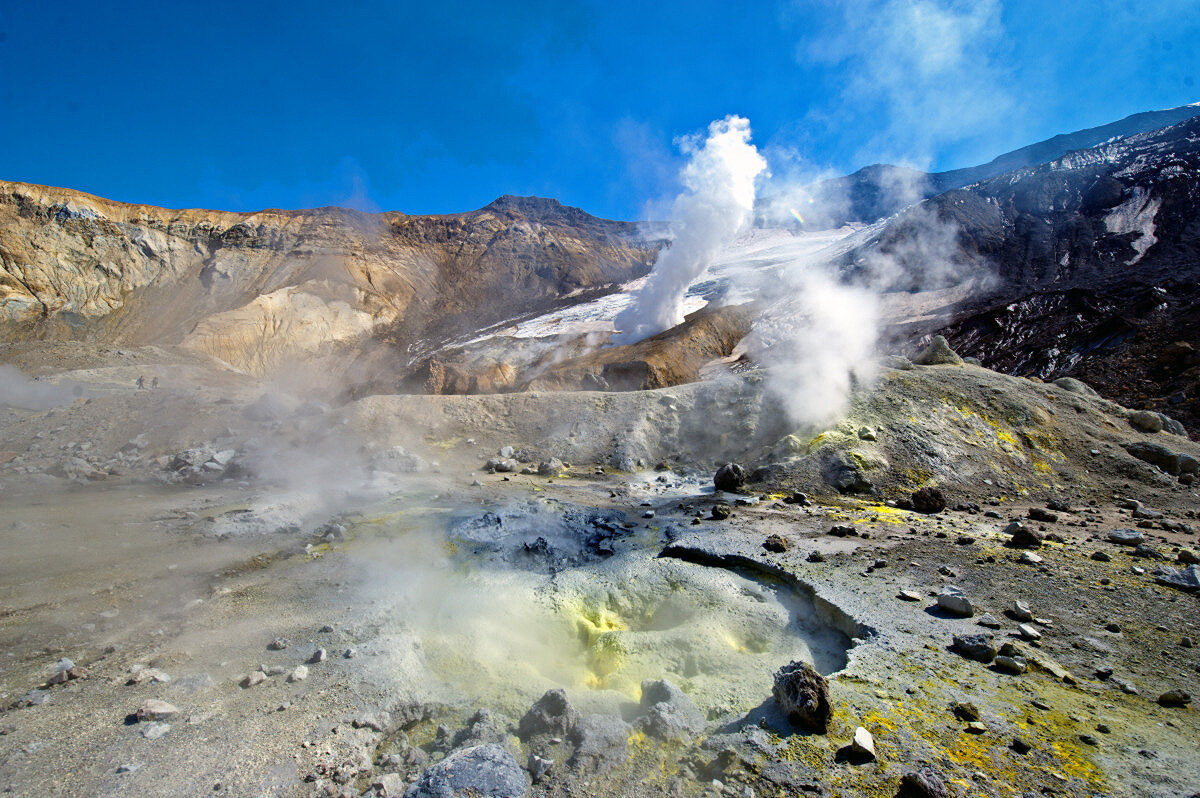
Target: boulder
1146 421
938 353
1073 385
479 770
978 646
1187 580
1022 537
863 744
1125 537
552 714
730 477
600 742
669 713
928 500
1156 455
954 601
803 695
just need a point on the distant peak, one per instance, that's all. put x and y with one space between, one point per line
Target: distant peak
524 204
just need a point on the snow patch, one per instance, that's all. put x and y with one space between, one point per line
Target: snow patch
1136 215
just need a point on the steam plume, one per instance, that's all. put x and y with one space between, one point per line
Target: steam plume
718 201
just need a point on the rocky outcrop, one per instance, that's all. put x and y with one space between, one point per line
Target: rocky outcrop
670 358
257 289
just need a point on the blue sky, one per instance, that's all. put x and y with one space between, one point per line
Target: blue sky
437 108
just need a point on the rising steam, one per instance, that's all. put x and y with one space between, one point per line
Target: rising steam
718 201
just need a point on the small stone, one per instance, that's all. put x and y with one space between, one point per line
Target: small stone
976 727
278 644
1028 632
155 730
1021 611
1113 627
326 629
1101 556
538 767
318 656
153 709
1042 516
776 544
815 556
909 595
252 679
298 674
1029 558
1012 665
721 511
1174 698
1088 739
1187 557
965 711
350 653
1020 746
1187 642
989 621
389 785
863 744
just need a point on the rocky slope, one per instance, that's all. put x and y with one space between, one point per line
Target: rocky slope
258 289
880 190
1092 261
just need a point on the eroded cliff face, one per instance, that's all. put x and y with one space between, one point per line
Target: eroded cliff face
258 289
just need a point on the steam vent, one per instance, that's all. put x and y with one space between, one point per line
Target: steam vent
891 490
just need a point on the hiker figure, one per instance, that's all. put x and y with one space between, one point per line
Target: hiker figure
141 382
154 382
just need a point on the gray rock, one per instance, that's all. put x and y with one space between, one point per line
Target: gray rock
1187 557
1022 537
298 674
483 727
375 721
278 644
1125 537
1148 552
923 783
1028 632
979 647
954 601
550 468
803 695
669 713
730 477
318 656
389 785
989 621
938 353
1172 426
844 473
1156 455
1014 665
1022 611
155 729
481 770
538 767
552 714
600 742
153 709
1073 385
1174 698
506 452
1146 421
1187 580
502 465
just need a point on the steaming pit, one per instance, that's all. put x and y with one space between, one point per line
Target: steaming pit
505 604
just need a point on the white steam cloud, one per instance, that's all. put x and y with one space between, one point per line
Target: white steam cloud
718 202
17 390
